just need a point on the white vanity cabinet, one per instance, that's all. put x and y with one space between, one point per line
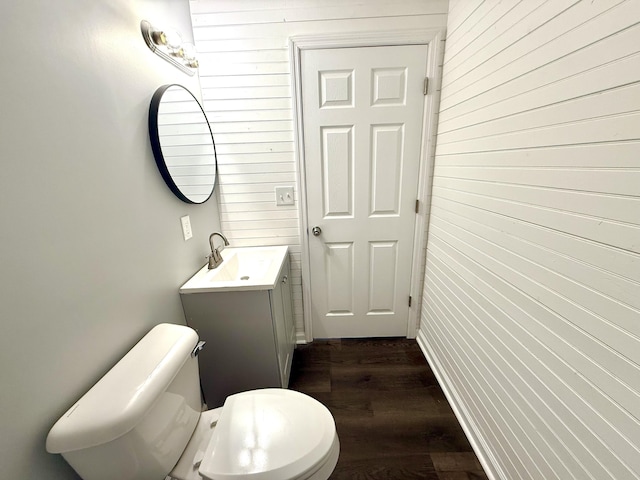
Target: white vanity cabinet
250 335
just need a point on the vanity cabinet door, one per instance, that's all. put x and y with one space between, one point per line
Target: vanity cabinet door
282 312
289 325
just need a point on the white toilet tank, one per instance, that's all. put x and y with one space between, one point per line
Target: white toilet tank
136 421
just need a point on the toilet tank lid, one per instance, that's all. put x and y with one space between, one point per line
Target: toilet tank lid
121 398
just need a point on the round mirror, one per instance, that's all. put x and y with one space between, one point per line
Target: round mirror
183 144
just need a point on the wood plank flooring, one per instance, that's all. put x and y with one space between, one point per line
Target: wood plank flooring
393 420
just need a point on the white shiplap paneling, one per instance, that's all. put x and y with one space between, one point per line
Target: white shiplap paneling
531 312
246 88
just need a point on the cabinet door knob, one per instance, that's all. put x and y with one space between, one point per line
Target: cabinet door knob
285 279
316 231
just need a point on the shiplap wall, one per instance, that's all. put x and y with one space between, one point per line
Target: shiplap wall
246 87
531 312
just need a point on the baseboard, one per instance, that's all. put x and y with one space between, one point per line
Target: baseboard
493 471
301 339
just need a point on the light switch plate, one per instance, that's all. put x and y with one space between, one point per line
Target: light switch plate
186 227
284 196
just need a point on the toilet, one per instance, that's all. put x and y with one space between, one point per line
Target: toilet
143 420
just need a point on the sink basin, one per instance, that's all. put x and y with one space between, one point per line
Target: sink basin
243 268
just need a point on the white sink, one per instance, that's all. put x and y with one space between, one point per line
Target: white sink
247 268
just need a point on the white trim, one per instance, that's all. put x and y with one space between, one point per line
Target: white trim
301 338
297 44
427 156
298 148
490 466
364 39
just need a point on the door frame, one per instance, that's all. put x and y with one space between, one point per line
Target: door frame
434 39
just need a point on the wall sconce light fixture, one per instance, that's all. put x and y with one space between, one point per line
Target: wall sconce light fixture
168 45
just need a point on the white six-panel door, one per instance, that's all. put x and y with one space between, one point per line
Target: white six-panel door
362 125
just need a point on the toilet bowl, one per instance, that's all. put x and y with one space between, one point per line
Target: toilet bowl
143 421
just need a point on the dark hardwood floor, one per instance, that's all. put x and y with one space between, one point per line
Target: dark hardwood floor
393 420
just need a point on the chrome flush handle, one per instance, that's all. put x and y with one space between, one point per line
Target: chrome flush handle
198 348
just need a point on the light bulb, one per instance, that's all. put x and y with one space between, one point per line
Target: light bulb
172 39
189 51
158 37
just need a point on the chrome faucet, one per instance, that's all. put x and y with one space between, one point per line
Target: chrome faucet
215 259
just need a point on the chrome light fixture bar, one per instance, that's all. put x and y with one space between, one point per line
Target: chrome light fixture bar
168 45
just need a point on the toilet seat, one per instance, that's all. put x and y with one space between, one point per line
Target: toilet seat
291 436
271 434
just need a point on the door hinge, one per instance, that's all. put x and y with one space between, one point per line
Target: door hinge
425 88
417 206
409 300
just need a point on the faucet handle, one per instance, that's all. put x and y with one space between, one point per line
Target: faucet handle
215 258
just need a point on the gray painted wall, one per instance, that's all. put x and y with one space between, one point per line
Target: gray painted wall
91 249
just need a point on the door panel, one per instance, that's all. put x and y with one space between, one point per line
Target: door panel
383 261
362 122
339 274
337 171
386 169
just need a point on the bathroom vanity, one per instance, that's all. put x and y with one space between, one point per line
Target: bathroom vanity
243 310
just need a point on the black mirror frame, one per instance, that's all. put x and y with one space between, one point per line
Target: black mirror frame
154 137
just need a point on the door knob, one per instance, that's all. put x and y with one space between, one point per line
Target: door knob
316 231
